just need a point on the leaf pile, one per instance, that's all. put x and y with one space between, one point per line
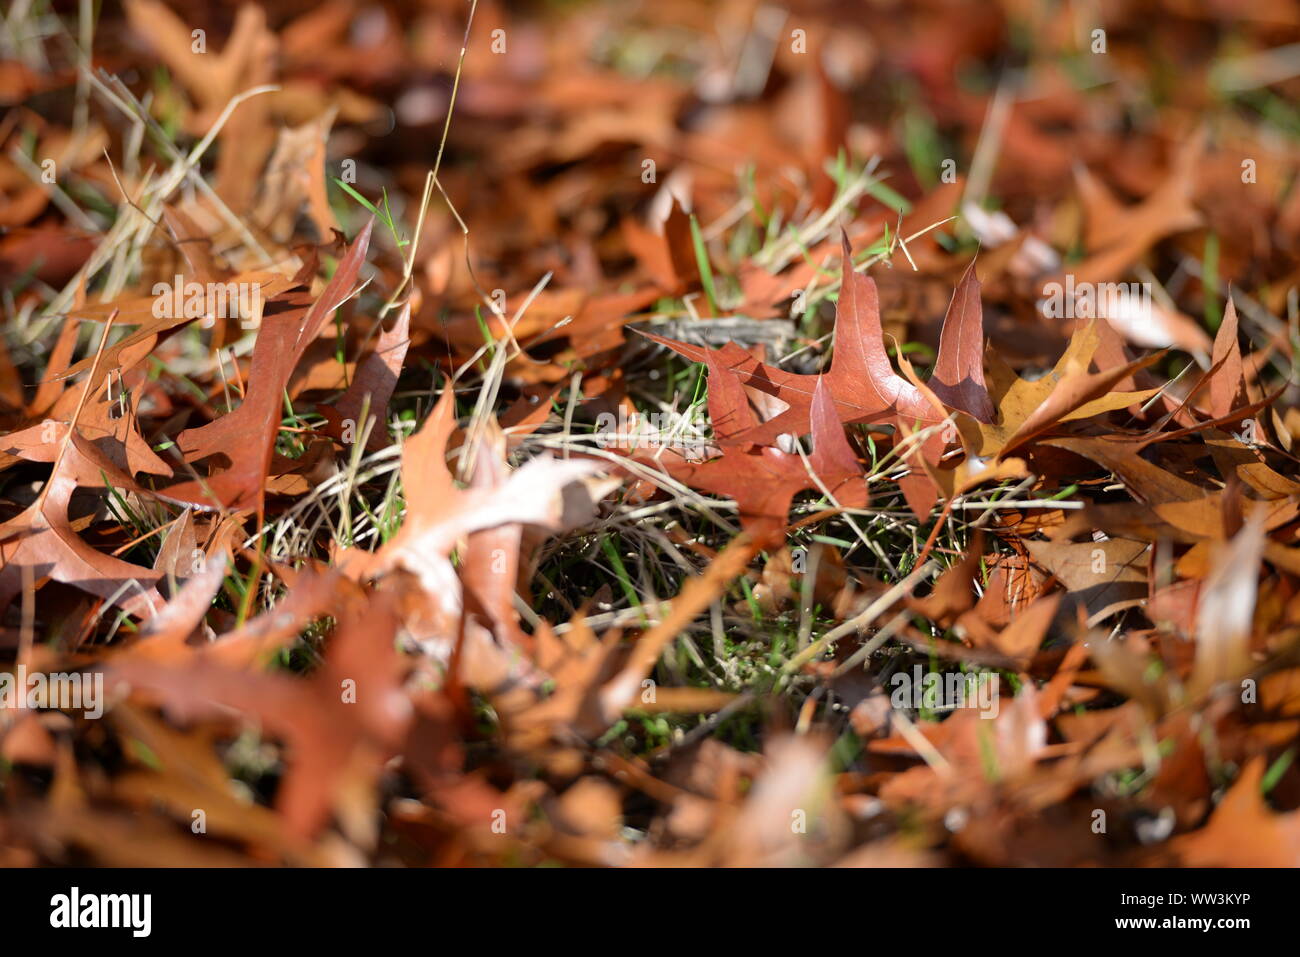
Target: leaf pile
678 434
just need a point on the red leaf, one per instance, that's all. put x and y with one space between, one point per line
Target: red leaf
958 377
246 437
862 382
